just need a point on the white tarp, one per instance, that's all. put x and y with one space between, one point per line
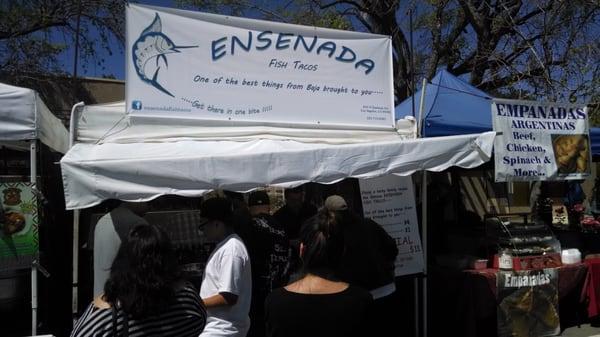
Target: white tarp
24 116
143 171
109 123
192 65
540 141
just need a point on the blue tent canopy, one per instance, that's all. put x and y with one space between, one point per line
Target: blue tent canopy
455 107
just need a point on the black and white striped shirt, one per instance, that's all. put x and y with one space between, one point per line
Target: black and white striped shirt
186 316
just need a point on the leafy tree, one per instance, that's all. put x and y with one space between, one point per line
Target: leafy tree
34 33
539 49
544 49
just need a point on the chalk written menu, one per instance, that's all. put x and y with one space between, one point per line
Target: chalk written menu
390 201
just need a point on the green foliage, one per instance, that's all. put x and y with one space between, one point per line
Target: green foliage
34 34
543 49
295 11
594 110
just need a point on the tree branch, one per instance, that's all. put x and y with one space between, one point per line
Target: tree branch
518 76
33 28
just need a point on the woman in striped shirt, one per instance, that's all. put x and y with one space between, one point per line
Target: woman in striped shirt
144 295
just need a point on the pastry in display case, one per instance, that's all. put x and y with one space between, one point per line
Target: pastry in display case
531 245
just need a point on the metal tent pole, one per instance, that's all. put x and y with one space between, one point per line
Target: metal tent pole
417 316
34 274
75 268
421 105
424 244
420 127
75 295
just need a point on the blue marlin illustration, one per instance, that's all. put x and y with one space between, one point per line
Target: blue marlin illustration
152 43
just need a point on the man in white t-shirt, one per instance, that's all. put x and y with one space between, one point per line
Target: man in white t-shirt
226 288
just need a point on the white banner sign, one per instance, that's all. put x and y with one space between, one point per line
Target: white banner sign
540 141
192 65
390 201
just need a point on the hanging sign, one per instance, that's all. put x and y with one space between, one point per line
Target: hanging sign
18 226
192 65
390 201
540 141
528 303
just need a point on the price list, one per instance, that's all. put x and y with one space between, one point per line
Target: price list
390 202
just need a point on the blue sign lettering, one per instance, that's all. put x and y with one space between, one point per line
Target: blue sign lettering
265 40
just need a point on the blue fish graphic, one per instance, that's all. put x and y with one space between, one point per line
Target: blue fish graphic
152 43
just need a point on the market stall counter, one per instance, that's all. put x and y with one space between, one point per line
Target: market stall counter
476 303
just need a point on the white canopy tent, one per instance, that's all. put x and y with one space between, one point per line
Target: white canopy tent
115 159
25 119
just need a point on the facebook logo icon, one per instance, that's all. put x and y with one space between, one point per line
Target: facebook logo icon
136 105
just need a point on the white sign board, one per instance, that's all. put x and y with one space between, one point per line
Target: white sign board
390 201
540 141
192 65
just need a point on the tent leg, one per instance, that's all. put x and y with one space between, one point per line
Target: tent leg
420 124
34 299
424 244
34 279
416 311
75 293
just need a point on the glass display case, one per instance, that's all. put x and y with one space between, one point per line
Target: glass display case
532 245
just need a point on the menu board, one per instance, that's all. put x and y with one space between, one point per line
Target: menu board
390 201
18 225
540 141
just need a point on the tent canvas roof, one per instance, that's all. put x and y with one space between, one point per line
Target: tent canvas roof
455 107
24 116
116 159
451 107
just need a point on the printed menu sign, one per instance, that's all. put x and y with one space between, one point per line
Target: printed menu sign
540 141
528 303
18 226
390 201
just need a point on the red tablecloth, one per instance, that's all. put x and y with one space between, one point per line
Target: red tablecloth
477 301
569 277
592 287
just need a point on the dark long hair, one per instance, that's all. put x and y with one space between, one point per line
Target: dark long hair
323 245
143 275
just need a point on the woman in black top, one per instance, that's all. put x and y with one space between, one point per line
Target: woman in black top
317 304
143 295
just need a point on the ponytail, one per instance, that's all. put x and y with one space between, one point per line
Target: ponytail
323 244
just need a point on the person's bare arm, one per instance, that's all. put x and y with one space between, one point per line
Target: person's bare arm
100 303
220 299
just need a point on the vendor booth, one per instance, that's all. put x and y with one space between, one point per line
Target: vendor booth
97 169
486 219
231 119
32 209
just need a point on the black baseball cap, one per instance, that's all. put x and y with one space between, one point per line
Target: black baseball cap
258 198
216 209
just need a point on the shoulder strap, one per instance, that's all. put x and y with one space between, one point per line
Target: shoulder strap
115 322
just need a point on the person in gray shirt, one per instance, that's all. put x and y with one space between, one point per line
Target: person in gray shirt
110 231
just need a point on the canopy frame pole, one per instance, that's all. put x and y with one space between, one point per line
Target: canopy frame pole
34 275
416 304
421 105
424 246
423 227
75 290
75 267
